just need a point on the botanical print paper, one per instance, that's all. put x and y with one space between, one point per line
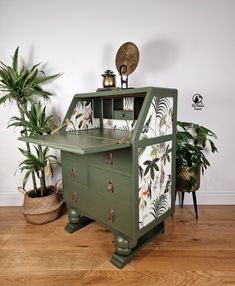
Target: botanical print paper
82 117
154 181
119 124
159 118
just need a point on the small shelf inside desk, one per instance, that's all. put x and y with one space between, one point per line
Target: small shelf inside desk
125 108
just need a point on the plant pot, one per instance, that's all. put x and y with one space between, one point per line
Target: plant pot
183 175
40 210
109 81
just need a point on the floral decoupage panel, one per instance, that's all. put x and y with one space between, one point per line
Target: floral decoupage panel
119 124
159 118
154 181
82 117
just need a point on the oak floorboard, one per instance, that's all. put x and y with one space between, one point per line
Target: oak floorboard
158 278
54 278
190 252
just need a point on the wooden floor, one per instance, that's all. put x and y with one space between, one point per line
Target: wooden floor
190 252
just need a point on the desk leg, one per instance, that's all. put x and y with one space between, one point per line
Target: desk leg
124 249
76 221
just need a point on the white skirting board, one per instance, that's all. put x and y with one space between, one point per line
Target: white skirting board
222 197
11 199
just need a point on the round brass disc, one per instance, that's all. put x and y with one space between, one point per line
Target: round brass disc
127 55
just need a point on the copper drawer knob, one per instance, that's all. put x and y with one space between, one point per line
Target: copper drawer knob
111 215
74 197
110 186
109 159
73 173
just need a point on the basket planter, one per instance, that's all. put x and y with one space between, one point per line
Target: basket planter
183 175
40 210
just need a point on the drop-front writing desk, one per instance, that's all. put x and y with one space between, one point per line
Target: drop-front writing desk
118 163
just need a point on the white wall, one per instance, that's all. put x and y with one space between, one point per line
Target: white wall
186 44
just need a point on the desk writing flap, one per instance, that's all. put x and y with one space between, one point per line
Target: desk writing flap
83 142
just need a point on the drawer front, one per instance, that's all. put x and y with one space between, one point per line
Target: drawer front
110 212
78 196
68 156
122 114
117 160
75 171
113 214
110 184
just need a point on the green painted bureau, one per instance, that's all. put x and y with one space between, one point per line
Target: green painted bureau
118 163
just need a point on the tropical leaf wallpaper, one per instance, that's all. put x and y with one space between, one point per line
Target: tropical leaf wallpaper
119 124
82 117
154 165
159 118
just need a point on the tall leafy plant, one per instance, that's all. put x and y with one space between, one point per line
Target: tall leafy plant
23 87
36 123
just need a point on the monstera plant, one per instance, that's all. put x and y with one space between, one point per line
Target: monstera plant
22 87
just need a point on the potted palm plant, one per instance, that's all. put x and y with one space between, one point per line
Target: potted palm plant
192 141
23 87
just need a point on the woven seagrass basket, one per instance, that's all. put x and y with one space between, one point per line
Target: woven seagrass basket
40 210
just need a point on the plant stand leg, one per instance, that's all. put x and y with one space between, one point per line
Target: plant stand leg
195 203
182 199
76 221
125 249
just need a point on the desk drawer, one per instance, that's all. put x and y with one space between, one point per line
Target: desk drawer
113 214
76 195
122 114
110 212
75 171
110 184
118 160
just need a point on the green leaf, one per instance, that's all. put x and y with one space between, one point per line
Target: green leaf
24 152
5 98
79 115
15 60
26 177
162 121
147 162
213 147
146 170
155 166
43 79
152 173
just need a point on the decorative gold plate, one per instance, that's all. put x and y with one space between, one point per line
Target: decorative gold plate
127 58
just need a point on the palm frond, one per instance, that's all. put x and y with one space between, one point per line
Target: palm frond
162 107
159 206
